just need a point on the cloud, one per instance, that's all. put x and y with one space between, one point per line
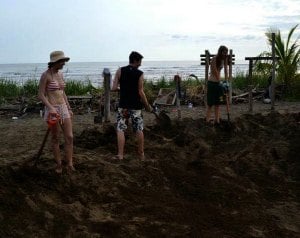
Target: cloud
107 30
179 37
283 22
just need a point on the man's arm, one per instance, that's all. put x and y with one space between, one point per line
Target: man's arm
143 95
115 86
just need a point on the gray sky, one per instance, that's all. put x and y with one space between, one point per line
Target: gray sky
108 30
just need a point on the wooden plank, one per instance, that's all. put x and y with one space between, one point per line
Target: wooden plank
260 58
10 107
205 63
80 97
212 55
204 58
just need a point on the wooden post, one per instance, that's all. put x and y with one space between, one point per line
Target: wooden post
207 62
250 86
250 75
273 73
230 76
177 80
107 76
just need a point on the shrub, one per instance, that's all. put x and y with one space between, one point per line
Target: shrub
30 88
9 88
79 88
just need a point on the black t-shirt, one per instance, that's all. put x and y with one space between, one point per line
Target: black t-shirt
129 83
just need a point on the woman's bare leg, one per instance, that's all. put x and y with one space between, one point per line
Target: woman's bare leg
55 147
68 135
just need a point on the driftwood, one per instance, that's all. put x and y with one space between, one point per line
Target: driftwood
166 96
77 102
244 97
258 94
10 107
15 110
20 106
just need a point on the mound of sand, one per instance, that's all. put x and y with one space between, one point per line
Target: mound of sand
240 179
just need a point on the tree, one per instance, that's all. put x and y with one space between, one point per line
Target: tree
288 63
289 56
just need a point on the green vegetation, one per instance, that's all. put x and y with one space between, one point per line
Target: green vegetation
240 81
30 88
8 89
286 73
294 94
287 65
11 90
164 83
79 88
151 88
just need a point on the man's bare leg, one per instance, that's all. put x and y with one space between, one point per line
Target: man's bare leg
217 114
140 141
121 144
208 112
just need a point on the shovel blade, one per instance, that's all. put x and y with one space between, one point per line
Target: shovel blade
162 119
98 119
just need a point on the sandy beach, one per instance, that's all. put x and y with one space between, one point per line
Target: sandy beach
240 179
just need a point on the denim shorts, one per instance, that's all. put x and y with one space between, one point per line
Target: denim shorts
136 117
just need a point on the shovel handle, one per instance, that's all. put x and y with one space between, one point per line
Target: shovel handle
227 106
155 113
43 144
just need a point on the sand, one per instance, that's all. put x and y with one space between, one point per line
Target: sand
240 179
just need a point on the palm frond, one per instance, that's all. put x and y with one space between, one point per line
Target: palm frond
290 35
288 53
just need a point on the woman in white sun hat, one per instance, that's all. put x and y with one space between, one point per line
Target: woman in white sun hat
57 108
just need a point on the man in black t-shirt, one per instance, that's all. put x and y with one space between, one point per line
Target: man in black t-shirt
130 81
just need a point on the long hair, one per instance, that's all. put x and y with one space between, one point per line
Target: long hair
50 65
220 56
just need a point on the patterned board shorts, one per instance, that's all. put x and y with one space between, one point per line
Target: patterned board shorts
136 117
62 111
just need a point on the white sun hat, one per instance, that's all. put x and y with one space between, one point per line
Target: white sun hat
58 55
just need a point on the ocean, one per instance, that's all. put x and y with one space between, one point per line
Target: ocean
92 71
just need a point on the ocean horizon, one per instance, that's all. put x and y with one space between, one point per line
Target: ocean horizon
92 71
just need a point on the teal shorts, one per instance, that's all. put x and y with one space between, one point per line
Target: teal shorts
215 93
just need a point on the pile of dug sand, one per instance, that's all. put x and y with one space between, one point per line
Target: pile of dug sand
239 179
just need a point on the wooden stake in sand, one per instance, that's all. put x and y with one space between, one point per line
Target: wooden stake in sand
107 78
177 80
